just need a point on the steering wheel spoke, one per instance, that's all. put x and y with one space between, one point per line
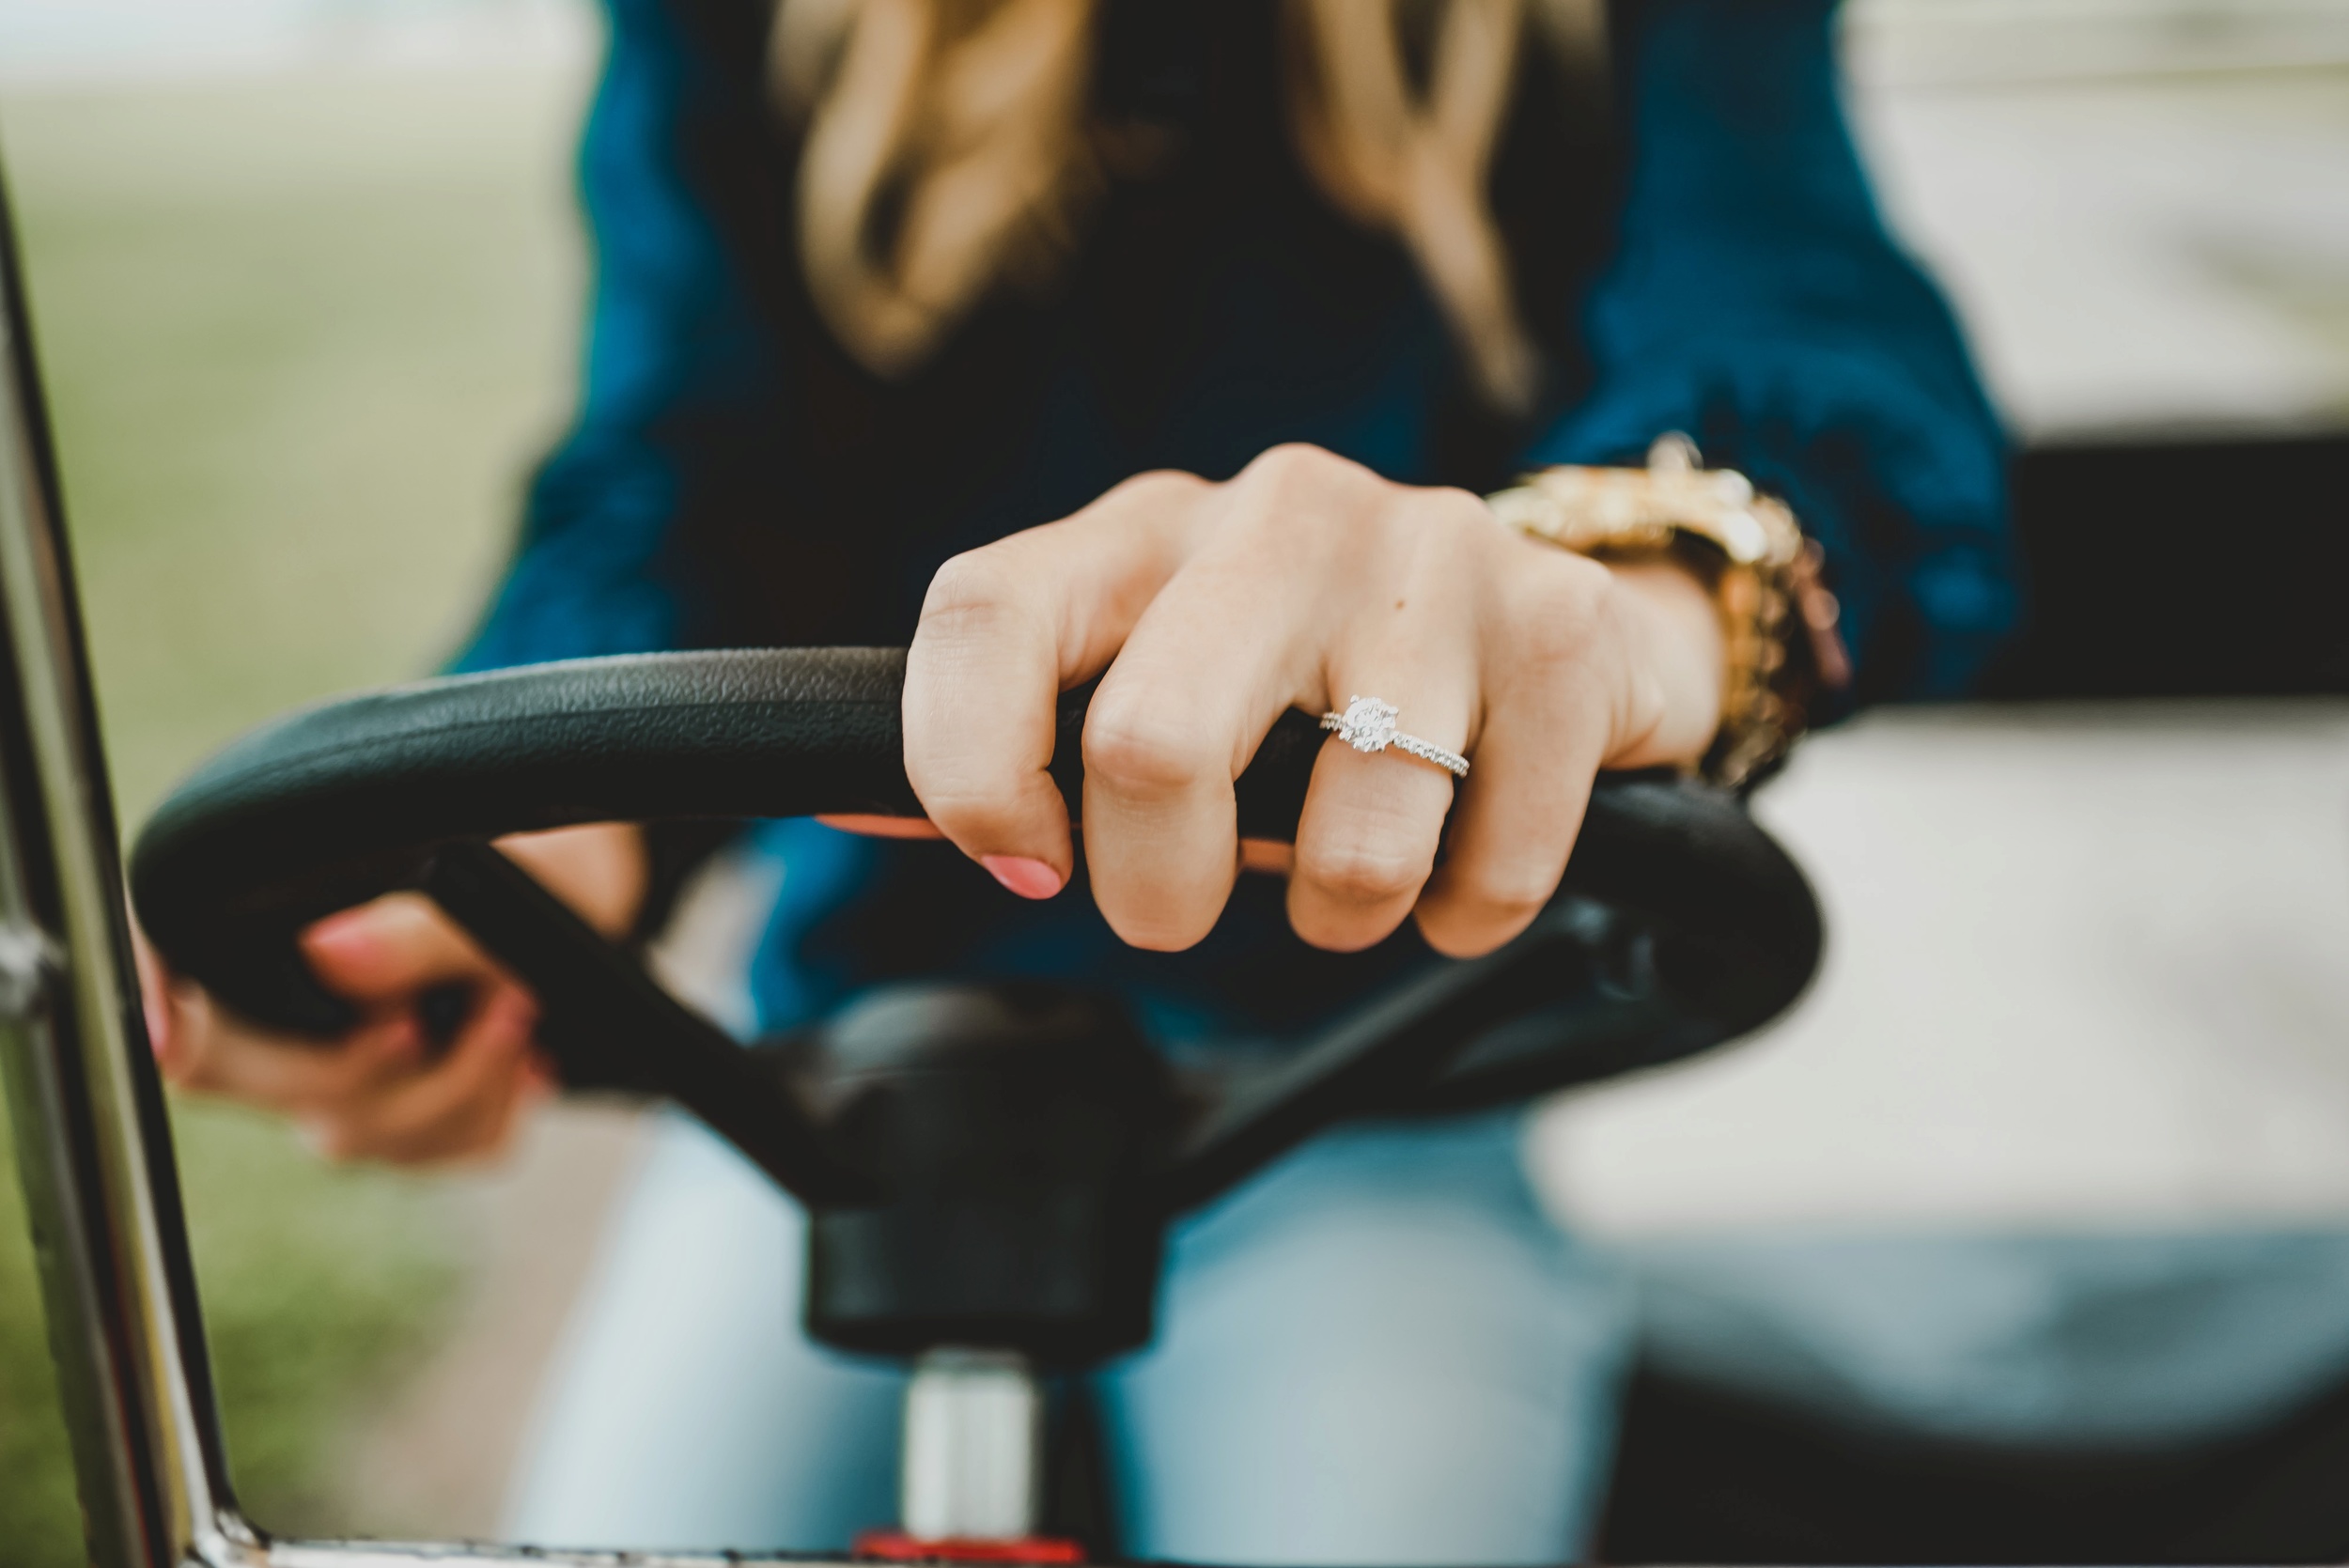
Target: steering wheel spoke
608 1025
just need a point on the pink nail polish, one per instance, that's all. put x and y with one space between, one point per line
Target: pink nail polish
1028 878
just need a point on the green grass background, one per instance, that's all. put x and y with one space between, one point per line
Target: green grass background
301 338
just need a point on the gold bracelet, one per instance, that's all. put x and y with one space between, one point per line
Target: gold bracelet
1778 619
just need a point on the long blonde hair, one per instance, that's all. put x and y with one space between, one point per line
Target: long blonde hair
968 118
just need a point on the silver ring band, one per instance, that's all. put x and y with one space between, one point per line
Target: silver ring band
1368 725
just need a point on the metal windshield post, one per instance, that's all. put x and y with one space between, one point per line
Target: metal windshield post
92 1144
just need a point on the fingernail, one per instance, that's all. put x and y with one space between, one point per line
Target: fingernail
346 932
1028 878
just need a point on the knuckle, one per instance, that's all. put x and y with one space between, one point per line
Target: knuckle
1456 511
1136 748
1442 540
1292 457
1557 622
1575 585
1301 466
976 585
1363 873
1167 484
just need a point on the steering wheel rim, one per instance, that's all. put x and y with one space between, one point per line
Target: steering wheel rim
333 804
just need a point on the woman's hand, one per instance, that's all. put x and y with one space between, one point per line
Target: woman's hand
382 1092
1301 583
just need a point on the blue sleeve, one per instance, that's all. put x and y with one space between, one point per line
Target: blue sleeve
1757 303
681 387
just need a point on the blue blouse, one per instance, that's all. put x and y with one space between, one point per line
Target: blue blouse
732 478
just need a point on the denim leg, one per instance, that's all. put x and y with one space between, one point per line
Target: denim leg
688 1408
1378 1352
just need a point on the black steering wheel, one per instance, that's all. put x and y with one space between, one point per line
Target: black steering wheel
1680 924
332 805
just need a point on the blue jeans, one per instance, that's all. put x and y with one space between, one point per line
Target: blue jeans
1377 1352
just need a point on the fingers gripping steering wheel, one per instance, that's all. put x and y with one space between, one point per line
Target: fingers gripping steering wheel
1680 924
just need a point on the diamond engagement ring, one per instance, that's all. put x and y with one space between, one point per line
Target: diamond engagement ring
1368 725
